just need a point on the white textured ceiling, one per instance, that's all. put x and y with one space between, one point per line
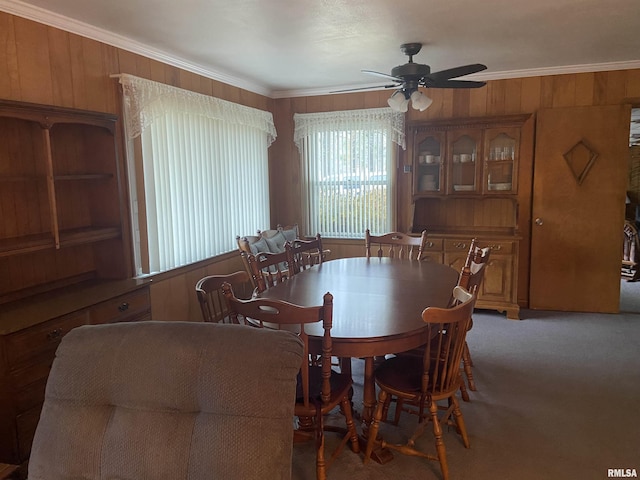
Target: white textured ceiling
303 47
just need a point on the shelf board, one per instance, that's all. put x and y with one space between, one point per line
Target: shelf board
501 162
22 178
83 176
44 241
26 244
81 236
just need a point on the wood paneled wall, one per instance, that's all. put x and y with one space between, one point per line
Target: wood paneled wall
42 64
499 97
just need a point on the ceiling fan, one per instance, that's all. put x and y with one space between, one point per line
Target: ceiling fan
409 77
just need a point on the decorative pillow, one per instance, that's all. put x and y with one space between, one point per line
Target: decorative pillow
259 246
276 243
290 235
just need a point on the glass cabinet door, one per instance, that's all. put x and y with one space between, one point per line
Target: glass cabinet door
501 157
428 162
464 161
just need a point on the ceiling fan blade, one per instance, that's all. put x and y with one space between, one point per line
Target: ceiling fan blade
455 84
383 75
457 71
364 88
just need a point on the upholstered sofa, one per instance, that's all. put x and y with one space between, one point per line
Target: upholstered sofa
169 400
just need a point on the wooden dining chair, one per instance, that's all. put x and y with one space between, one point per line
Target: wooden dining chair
305 253
268 269
211 298
471 277
320 389
630 252
422 382
395 245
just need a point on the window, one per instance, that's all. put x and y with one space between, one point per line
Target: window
198 173
348 170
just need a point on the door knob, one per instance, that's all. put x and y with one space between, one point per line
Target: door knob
539 221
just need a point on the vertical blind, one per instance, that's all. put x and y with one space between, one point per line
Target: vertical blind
348 170
205 174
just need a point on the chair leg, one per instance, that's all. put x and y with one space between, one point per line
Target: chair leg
345 365
467 364
351 427
437 433
375 426
385 408
457 415
463 391
399 406
321 466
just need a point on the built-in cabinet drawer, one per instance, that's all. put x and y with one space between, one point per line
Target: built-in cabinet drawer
35 341
28 355
26 424
123 308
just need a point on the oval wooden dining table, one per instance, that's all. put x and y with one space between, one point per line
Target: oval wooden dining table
377 306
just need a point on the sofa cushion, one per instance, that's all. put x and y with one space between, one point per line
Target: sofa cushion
290 235
276 243
259 245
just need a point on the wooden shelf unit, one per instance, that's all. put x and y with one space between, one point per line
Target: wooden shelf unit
63 203
64 250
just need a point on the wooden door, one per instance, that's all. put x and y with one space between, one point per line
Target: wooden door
580 177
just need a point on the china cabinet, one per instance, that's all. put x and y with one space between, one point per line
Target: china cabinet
466 157
466 184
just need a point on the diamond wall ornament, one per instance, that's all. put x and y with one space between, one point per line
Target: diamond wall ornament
580 159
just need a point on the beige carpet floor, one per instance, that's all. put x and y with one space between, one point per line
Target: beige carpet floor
558 398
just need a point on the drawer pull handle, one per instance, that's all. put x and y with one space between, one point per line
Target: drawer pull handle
123 307
52 335
460 245
430 244
495 247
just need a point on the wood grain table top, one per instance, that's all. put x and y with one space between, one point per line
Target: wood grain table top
377 303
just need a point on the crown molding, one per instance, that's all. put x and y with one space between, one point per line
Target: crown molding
483 77
40 15
52 19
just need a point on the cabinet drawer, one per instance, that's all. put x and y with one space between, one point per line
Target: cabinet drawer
40 339
26 424
433 245
122 308
32 372
498 248
31 396
457 244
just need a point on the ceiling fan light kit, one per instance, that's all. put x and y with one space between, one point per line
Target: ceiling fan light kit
420 101
398 102
408 78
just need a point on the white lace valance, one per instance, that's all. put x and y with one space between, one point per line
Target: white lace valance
145 100
370 118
